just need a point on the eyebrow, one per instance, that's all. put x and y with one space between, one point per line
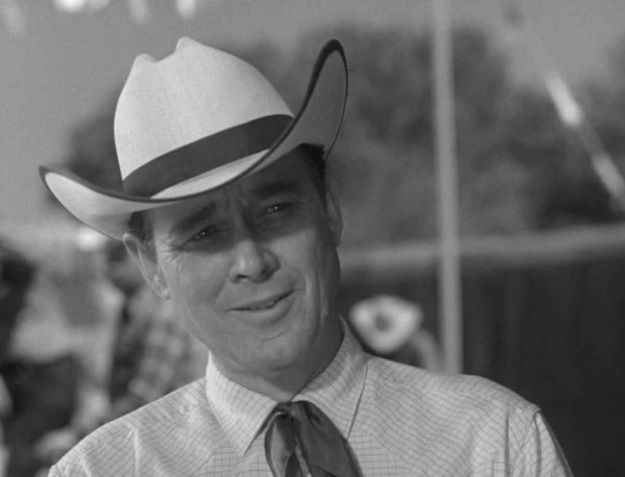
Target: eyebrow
280 186
262 192
192 218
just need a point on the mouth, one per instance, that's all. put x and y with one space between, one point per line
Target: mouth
263 304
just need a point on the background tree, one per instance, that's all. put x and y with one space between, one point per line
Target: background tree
513 153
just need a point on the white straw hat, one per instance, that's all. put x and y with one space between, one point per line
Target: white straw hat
195 121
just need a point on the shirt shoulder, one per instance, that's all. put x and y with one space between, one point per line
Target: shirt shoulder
439 392
174 433
418 416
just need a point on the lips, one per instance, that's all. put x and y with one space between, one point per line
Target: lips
262 304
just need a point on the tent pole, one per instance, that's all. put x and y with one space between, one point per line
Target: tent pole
449 283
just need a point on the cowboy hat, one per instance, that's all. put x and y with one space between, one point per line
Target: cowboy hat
198 120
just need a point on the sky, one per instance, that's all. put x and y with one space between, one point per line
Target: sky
64 66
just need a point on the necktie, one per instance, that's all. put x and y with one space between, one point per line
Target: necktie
323 447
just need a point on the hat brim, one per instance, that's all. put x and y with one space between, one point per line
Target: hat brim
317 121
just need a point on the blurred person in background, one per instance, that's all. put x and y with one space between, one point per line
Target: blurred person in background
227 211
15 275
36 362
55 358
152 353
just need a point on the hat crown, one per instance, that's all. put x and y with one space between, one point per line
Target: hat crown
195 92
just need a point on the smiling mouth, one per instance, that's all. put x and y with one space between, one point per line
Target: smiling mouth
263 304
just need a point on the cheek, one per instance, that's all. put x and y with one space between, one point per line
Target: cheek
194 284
194 293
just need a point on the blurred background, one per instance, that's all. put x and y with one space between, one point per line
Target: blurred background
538 96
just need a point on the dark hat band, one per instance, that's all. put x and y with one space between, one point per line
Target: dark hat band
205 154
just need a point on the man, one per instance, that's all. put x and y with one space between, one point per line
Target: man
226 210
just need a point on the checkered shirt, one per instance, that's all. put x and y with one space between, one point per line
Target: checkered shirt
399 421
170 359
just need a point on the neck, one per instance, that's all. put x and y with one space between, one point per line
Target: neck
284 383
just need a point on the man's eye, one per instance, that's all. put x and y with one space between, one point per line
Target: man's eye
209 232
279 208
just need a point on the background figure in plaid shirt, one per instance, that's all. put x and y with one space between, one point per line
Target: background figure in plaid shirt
154 356
154 353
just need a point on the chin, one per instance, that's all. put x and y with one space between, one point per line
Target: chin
286 351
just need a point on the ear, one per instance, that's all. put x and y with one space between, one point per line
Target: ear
144 255
335 218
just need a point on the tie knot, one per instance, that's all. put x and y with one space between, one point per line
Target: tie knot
324 449
284 407
295 409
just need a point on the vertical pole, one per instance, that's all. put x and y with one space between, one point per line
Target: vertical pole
449 286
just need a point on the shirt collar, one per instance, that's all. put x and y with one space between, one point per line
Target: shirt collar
241 412
337 390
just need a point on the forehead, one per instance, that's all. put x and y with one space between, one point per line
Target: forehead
288 175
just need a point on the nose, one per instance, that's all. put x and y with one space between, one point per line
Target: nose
252 261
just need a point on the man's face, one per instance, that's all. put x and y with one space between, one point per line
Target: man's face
253 268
